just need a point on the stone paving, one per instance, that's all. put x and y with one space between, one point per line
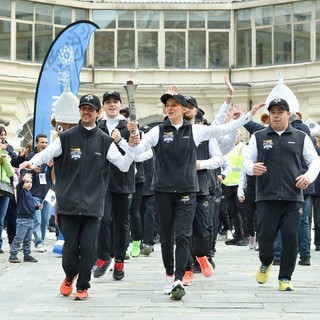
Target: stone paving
31 290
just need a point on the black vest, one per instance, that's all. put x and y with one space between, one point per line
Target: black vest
120 182
283 157
82 171
176 156
203 175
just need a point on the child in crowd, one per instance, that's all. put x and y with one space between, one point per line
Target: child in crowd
25 213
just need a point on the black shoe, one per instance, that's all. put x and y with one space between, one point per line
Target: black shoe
317 248
276 262
1 251
103 266
13 259
233 242
29 259
243 242
118 273
156 238
304 261
212 262
212 252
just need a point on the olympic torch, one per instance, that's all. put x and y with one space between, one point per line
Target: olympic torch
130 88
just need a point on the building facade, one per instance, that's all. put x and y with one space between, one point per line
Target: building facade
164 43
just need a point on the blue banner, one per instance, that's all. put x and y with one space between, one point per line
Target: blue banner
62 63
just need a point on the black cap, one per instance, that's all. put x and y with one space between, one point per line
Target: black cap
111 93
145 129
176 96
91 100
192 100
125 111
279 102
199 115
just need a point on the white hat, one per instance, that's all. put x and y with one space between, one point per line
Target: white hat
285 93
67 110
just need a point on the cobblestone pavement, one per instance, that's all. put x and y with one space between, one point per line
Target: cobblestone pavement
31 290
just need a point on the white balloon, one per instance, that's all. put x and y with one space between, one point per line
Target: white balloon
283 92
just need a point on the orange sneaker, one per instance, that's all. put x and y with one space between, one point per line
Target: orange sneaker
205 265
66 286
188 278
81 295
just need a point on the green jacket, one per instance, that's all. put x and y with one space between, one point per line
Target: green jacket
6 168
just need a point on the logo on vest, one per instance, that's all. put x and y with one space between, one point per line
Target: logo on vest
168 137
185 199
267 144
75 153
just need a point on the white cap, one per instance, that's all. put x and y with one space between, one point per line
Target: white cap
285 93
67 107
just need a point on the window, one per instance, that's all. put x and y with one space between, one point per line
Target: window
175 19
264 16
218 49
175 49
104 49
282 44
43 40
5 8
244 18
197 19
147 49
126 49
126 19
318 40
218 19
62 15
244 38
43 12
5 39
282 14
24 42
24 10
244 48
264 47
105 19
81 14
197 49
302 42
26 134
147 19
302 31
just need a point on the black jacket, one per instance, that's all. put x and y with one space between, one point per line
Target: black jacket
25 202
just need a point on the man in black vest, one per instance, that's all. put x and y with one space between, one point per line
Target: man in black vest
275 157
81 160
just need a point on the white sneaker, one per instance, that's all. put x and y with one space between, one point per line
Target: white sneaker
229 235
252 243
167 288
40 248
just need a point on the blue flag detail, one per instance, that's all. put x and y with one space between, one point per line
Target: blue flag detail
62 63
